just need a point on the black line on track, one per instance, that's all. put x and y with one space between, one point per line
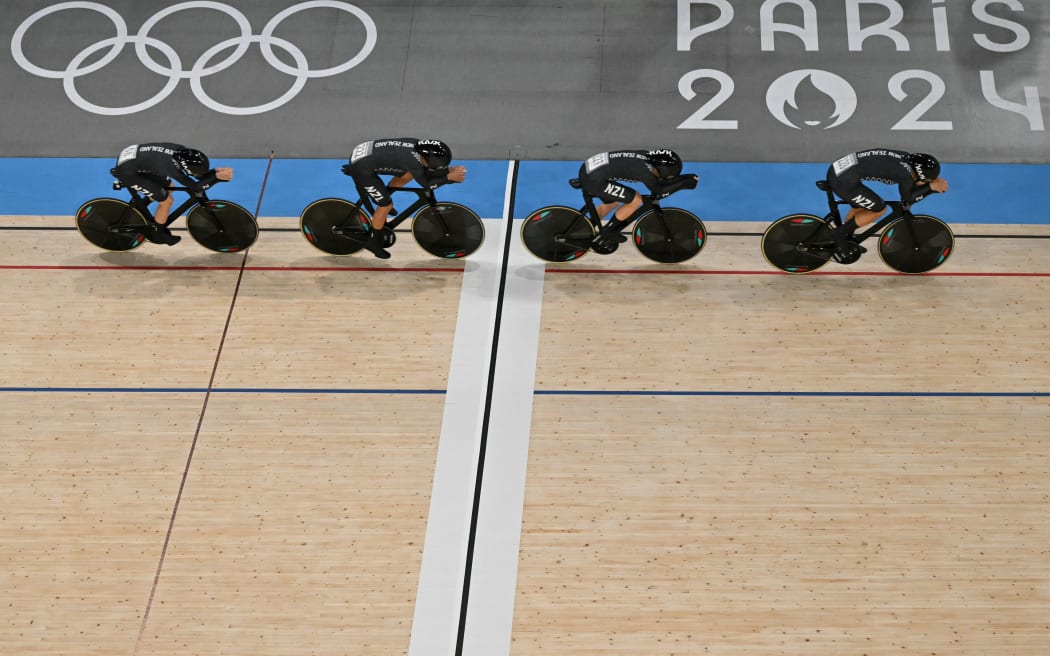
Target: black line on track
197 431
486 417
406 230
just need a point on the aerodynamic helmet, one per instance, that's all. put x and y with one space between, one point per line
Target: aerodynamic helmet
666 162
926 167
437 153
193 162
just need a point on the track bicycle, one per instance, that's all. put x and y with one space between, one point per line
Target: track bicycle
909 243
118 225
563 234
339 227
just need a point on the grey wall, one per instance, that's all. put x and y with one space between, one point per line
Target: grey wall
552 80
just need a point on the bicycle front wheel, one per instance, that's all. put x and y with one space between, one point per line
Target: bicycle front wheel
798 243
335 226
448 230
222 226
111 224
670 235
557 234
923 246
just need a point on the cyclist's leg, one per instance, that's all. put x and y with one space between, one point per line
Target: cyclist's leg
153 189
160 215
603 209
866 207
612 194
372 185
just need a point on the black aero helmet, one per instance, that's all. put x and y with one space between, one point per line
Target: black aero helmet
437 153
193 162
926 167
666 162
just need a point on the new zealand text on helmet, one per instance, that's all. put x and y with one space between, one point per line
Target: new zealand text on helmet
437 153
192 161
926 166
667 163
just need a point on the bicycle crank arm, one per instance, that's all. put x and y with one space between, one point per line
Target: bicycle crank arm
577 243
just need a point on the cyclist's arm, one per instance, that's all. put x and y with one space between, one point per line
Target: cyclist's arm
436 178
447 175
423 177
399 180
915 193
684 181
191 185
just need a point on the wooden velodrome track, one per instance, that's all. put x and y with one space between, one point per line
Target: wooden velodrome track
208 454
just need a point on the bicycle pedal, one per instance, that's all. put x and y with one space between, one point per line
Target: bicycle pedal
848 255
166 238
605 247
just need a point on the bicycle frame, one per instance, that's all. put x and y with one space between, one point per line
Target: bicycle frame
424 197
899 210
590 212
141 204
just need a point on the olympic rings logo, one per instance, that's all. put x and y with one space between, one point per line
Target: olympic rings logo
203 66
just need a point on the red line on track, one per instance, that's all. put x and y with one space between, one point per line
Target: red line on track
92 267
695 272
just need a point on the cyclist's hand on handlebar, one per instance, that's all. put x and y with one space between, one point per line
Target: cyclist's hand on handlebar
690 181
940 185
224 173
457 173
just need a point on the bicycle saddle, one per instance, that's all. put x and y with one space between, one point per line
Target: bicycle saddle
823 185
574 183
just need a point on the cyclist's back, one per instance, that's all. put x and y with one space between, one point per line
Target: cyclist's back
388 157
879 165
618 166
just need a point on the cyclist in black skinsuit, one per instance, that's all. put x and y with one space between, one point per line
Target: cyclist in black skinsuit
915 174
150 168
424 160
600 176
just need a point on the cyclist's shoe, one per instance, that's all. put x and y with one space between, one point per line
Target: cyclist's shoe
160 234
608 238
375 246
389 238
848 253
604 245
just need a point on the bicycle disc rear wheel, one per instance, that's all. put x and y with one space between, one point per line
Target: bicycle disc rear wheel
448 230
557 234
222 226
924 247
798 243
335 226
675 237
111 224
